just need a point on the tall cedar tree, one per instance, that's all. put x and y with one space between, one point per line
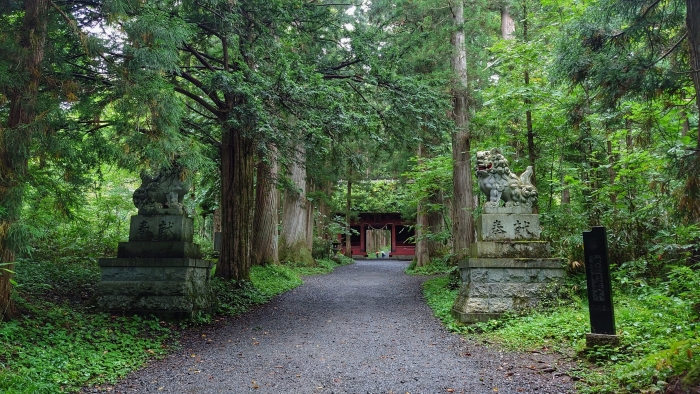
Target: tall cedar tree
637 49
51 134
463 195
16 136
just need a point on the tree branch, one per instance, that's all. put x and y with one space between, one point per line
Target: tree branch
196 82
683 37
203 134
199 57
199 100
381 116
345 64
198 112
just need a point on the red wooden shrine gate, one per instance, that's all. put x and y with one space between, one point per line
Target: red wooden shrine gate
401 245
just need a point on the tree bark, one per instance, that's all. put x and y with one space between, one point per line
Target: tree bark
216 222
310 211
293 243
690 202
265 219
237 180
16 137
422 252
507 23
324 211
531 151
428 221
462 220
693 24
348 205
611 171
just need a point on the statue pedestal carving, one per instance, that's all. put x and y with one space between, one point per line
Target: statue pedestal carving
508 266
159 270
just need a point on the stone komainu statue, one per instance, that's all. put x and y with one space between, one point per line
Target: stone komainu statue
498 182
165 190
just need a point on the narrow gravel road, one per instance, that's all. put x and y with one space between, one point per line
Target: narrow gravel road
364 328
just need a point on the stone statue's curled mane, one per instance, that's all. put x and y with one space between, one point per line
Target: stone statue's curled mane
165 190
498 182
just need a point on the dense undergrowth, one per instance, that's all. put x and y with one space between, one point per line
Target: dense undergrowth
658 329
57 343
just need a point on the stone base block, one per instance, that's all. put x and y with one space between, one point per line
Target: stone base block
593 340
165 249
513 262
522 249
492 286
172 288
470 318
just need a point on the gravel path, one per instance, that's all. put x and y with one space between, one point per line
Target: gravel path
364 328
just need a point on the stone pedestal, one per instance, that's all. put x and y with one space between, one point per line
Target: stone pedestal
507 268
595 340
159 271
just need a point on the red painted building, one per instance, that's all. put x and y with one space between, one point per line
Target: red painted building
401 244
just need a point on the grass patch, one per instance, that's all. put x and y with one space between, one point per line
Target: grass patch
265 283
322 266
660 339
440 296
436 266
56 348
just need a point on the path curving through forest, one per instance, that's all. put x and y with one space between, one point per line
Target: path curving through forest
364 328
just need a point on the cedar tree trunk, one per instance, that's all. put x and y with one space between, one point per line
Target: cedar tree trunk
265 220
690 201
293 244
427 221
531 152
463 201
16 137
310 210
507 23
237 179
348 205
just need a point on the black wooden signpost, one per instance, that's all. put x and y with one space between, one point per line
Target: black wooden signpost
600 303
